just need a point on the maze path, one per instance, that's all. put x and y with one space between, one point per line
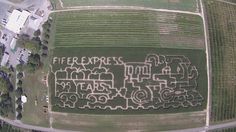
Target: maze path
109 82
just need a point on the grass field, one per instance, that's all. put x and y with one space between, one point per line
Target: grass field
111 28
35 90
222 30
188 5
147 123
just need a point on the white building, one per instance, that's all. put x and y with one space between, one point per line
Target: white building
5 59
17 20
13 44
34 22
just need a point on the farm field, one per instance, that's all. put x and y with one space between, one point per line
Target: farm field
126 84
127 66
126 28
233 1
222 33
225 130
188 5
121 123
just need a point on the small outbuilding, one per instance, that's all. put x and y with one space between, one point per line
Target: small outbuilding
5 59
23 99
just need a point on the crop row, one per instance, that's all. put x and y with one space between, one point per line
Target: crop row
222 34
128 29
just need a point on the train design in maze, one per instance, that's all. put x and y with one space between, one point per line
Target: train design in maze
159 81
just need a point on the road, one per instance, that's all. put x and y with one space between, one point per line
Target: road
31 127
227 2
25 126
78 8
208 58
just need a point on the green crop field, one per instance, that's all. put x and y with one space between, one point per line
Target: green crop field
128 62
118 79
225 130
113 28
188 5
222 30
128 80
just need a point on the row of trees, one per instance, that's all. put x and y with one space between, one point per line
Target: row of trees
6 105
18 94
46 36
5 127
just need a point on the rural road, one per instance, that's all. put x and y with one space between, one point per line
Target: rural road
78 8
208 58
45 129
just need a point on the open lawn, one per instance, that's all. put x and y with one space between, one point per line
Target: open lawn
188 5
126 28
222 32
36 91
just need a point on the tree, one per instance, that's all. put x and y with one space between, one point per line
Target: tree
45 42
19 116
37 33
33 63
22 39
18 101
30 68
20 75
5 69
46 36
44 55
5 104
46 25
19 108
3 86
19 83
20 67
45 47
33 47
19 92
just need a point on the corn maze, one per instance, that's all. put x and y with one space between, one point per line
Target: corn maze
127 61
113 83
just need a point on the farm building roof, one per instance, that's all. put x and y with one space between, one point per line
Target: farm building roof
17 20
5 59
